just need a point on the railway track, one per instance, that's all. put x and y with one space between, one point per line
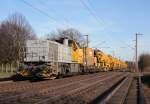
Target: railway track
4 85
48 85
79 89
126 92
25 85
76 93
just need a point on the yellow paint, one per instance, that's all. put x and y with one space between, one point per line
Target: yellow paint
77 56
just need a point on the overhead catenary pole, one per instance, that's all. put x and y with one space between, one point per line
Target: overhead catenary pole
136 60
136 51
87 40
84 51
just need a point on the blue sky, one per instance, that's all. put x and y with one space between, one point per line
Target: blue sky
118 21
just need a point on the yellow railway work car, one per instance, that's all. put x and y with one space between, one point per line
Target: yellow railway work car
77 56
103 61
89 57
112 62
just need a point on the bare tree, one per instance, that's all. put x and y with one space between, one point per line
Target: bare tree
144 62
70 33
14 32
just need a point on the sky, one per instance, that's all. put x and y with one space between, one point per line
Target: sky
110 24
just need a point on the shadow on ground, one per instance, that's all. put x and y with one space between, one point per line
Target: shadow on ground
146 80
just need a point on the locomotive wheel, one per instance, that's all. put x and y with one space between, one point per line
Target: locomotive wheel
48 73
18 77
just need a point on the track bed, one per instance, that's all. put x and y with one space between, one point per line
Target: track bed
128 91
80 89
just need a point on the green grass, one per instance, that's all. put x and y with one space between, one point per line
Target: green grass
6 74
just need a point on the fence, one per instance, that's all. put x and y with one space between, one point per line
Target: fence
9 67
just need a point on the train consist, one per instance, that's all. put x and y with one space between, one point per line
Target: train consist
50 59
